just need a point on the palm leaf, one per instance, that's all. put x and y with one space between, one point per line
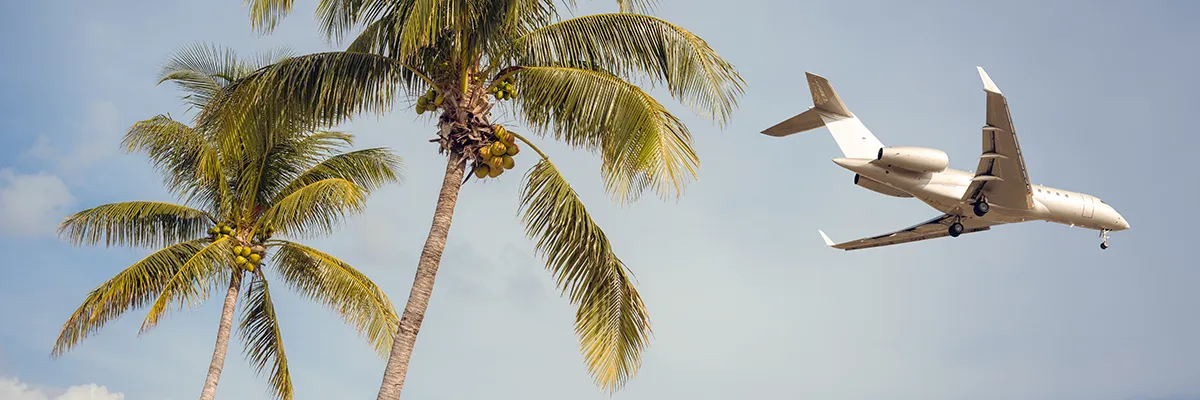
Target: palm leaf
189 162
632 44
132 288
315 208
202 70
611 321
315 90
135 224
641 143
340 287
266 14
193 281
260 333
368 168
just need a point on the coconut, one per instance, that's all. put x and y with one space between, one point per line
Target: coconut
512 149
250 267
237 250
495 161
255 258
481 171
226 230
495 171
240 260
498 148
485 152
507 162
245 252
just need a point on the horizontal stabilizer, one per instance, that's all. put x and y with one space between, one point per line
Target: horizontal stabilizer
804 121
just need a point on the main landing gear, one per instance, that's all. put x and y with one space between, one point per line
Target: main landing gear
981 207
1103 239
957 227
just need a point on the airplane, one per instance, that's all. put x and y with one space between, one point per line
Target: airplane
997 192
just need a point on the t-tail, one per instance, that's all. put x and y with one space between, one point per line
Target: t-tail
828 110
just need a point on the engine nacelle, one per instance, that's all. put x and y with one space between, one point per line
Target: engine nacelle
877 187
918 159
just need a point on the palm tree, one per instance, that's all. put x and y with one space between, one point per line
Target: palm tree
239 208
568 79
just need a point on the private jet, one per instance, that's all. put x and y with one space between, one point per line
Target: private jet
998 192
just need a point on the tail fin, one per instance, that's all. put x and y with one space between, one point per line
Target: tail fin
828 110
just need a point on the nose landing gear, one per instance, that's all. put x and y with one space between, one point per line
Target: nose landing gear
1103 239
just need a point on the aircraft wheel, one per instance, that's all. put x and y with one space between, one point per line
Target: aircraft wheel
956 229
1103 245
981 208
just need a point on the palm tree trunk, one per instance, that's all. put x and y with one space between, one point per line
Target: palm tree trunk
422 289
218 358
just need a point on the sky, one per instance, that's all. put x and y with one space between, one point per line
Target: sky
745 299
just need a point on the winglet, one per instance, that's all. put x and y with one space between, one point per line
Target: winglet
988 85
826 237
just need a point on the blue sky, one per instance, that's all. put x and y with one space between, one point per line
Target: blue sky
746 301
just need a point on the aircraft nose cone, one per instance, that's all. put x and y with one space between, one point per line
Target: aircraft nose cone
1122 223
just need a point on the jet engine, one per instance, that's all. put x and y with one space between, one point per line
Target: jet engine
918 159
877 187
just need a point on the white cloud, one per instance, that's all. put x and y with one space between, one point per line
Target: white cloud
31 204
14 389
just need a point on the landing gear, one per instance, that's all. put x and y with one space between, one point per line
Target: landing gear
981 207
956 229
1103 239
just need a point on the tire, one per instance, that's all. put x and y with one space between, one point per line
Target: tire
956 229
1103 245
981 208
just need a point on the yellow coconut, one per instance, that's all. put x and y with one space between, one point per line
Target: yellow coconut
495 171
512 150
481 171
496 161
240 260
498 148
255 258
508 162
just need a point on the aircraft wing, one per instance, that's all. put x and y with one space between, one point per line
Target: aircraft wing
1001 175
931 229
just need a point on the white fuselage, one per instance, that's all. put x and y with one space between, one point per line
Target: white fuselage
944 191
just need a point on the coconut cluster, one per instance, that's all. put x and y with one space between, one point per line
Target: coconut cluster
430 101
249 257
220 231
504 90
497 156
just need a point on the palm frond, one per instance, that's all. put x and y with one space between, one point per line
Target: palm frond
340 287
641 143
193 281
611 320
189 163
630 44
637 6
135 224
263 341
315 208
314 90
289 158
132 288
338 17
368 168
266 14
202 70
